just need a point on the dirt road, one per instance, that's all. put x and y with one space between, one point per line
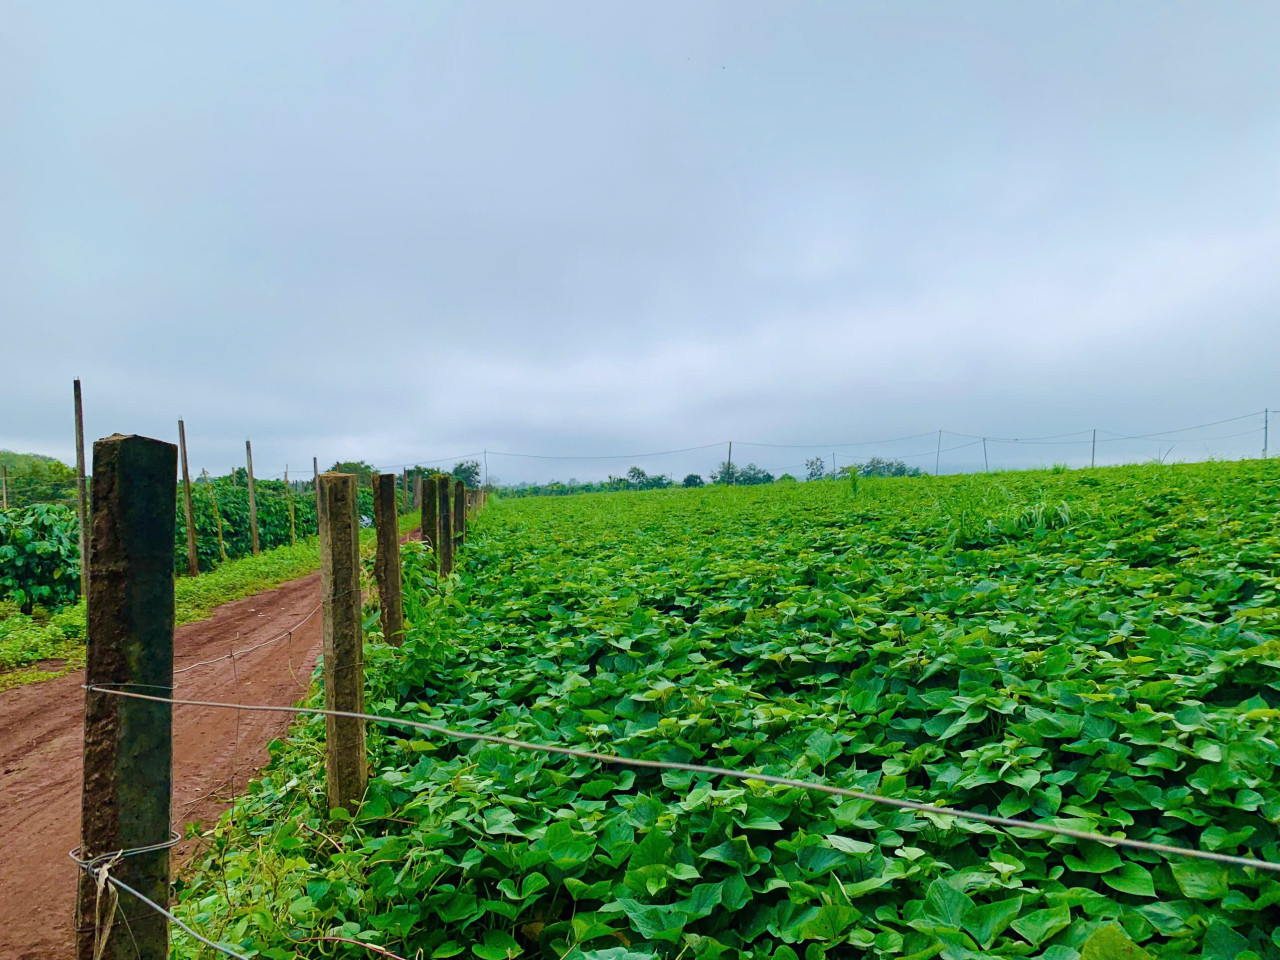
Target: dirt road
214 753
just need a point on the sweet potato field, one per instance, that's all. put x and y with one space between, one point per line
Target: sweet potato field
1094 649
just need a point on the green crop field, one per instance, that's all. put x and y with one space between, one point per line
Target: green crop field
1092 649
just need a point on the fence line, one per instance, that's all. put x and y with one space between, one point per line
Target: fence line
1060 439
913 805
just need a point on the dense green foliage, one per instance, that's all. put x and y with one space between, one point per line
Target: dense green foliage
1097 649
34 478
39 556
28 639
232 504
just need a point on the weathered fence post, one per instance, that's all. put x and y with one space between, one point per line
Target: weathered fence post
404 488
82 496
459 511
343 655
315 486
4 478
217 514
128 743
288 499
444 525
430 514
386 562
253 500
193 562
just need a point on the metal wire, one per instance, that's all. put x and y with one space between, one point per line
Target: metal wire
240 653
901 804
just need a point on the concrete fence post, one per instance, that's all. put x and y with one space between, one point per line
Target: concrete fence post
128 743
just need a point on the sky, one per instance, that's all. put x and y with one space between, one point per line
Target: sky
407 231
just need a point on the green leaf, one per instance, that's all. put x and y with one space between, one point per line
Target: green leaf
987 921
1111 943
829 922
498 945
945 906
1131 878
1221 942
1098 858
1039 925
1201 879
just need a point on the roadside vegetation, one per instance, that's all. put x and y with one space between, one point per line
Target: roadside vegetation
1094 649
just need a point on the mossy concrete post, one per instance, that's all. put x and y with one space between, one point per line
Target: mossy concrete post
444 525
193 562
345 762
253 500
128 743
459 511
386 562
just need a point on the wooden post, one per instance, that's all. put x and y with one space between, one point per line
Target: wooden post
1093 450
730 467
315 486
128 744
288 499
430 515
404 491
4 478
386 562
345 760
986 468
253 500
193 562
82 496
937 459
217 514
444 525
459 511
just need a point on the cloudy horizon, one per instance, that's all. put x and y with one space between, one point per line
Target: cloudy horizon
404 233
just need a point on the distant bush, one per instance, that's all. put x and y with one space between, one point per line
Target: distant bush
747 476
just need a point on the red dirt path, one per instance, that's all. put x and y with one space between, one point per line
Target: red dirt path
215 752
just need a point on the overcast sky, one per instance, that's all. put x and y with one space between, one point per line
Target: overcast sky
404 231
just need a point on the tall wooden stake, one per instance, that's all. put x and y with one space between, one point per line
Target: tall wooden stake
386 562
426 490
345 761
730 467
217 514
288 498
404 487
193 562
937 460
82 496
459 512
253 500
1093 450
128 743
315 485
4 478
986 467
444 525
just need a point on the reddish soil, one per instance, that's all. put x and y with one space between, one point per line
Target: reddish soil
215 752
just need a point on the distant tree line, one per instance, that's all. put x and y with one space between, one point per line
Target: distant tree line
726 474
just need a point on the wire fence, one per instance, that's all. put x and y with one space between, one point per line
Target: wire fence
99 867
1158 445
